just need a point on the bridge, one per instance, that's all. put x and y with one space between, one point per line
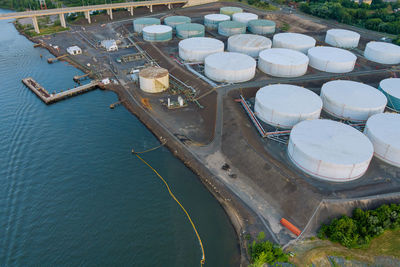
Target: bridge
130 6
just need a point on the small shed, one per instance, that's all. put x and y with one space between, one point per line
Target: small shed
74 50
109 45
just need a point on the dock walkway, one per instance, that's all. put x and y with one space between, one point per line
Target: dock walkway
48 98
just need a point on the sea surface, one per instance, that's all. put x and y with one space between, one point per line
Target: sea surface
71 192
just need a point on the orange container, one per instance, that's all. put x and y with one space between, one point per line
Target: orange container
290 226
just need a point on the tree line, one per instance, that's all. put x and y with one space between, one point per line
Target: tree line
358 231
22 5
379 16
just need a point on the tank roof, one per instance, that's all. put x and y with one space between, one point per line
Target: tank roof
230 61
190 27
386 126
201 44
332 142
295 38
262 22
153 72
217 17
289 99
383 46
250 40
344 33
245 15
333 54
284 56
232 24
353 94
157 29
391 86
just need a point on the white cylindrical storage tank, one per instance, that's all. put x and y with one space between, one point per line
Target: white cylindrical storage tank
189 30
154 79
244 17
229 28
352 101
249 44
391 88
383 130
229 67
281 62
329 150
230 10
342 38
157 33
261 26
331 59
211 21
285 105
139 24
198 48
173 21
295 41
383 53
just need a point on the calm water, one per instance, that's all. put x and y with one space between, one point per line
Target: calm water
72 194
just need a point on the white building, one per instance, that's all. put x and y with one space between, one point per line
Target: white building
109 45
74 50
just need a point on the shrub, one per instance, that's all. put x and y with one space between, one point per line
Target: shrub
358 230
262 251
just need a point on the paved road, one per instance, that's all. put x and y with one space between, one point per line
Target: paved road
47 12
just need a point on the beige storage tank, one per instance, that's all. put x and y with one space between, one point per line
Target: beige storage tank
154 79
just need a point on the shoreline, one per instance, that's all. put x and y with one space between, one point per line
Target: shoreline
234 208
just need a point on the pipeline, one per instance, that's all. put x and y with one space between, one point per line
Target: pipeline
204 78
252 116
203 258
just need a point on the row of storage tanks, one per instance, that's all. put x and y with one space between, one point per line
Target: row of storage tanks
286 58
290 55
153 31
328 149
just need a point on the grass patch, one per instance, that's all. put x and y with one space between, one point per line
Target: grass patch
268 7
285 27
317 251
46 31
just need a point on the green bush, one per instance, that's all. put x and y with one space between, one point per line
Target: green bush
358 230
285 27
262 251
397 41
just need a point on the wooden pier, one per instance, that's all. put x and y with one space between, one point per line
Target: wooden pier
77 78
49 98
51 60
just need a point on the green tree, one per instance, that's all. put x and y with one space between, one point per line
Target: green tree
373 24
